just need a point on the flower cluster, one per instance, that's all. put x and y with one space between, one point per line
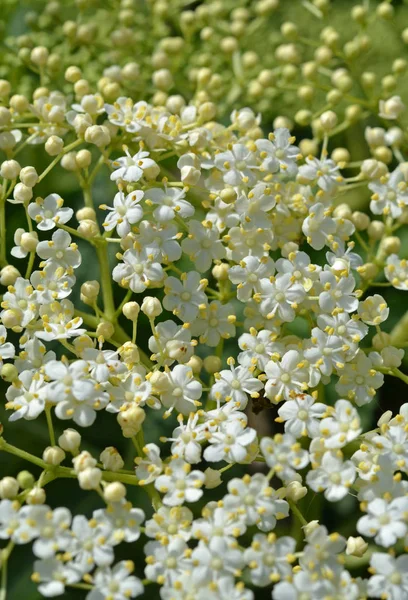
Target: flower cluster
210 271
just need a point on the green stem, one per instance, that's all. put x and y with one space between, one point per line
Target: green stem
297 512
50 425
5 554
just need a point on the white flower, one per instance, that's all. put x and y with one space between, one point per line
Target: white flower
359 380
248 273
60 250
132 168
215 321
281 297
170 522
184 297
58 321
286 377
116 583
166 561
25 242
138 270
278 152
256 500
215 560
342 426
53 532
230 442
170 203
373 310
301 415
179 390
53 575
22 301
149 468
235 385
186 439
26 396
334 477
327 352
124 519
390 576
171 342
237 165
318 226
324 172
396 271
284 455
179 484
103 364
49 212
257 348
337 293
7 349
269 558
217 521
132 388
202 245
385 520
53 282
126 212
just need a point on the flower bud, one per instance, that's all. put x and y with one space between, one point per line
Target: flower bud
9 372
25 480
131 420
391 108
360 220
129 353
105 329
368 271
70 440
163 79
356 546
98 135
373 169
11 318
207 111
342 211
83 461
190 175
111 459
8 275
39 55
131 310
220 272
29 241
212 364
90 289
54 145
5 116
29 176
341 155
36 496
391 244
295 491
5 88
151 307
68 162
22 194
83 159
196 364
376 230
73 74
88 228
85 214
385 418
392 357
381 340
89 478
383 154
212 478
10 169
8 488
328 120
53 455
114 492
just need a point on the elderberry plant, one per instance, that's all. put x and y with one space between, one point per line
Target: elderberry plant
211 292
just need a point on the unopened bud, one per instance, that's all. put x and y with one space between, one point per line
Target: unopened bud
98 135
25 480
196 364
88 228
131 420
295 491
85 214
151 307
212 364
70 441
111 459
114 492
90 478
131 310
53 455
10 169
8 488
54 145
36 496
9 372
356 546
328 120
212 478
105 329
360 220
376 230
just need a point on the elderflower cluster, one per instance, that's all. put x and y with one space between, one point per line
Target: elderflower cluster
208 288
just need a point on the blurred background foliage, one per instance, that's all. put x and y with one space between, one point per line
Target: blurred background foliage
32 435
